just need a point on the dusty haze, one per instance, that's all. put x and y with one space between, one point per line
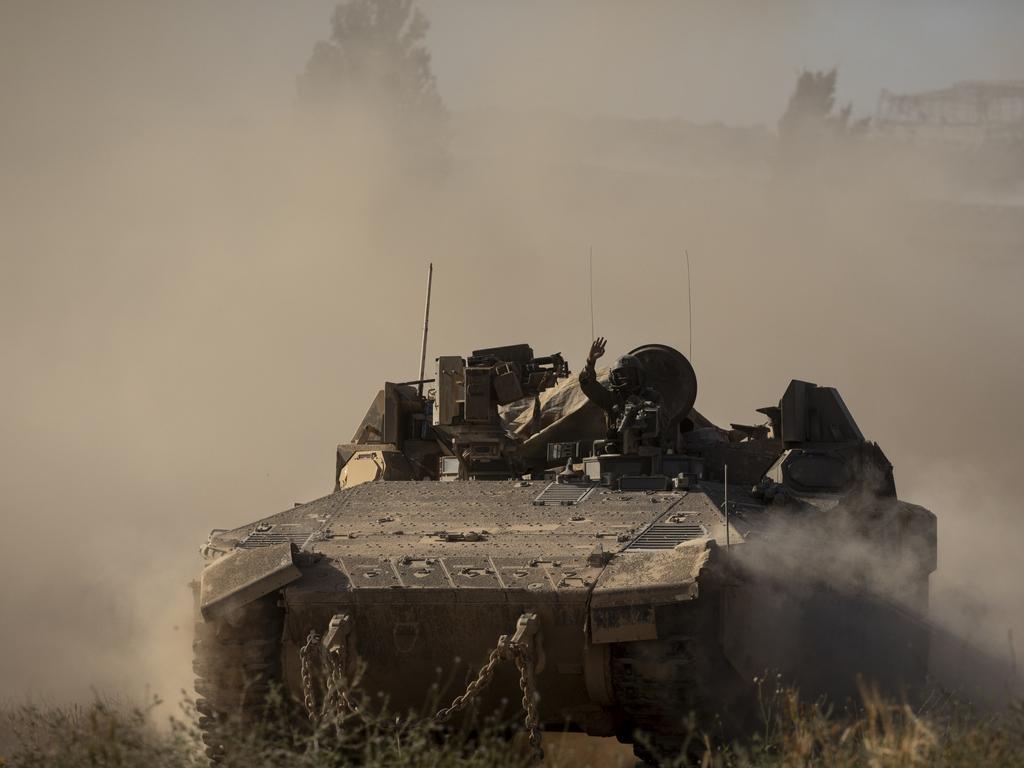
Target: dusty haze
200 294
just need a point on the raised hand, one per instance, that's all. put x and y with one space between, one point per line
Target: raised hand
596 350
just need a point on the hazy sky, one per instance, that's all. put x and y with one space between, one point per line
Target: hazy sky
639 58
658 57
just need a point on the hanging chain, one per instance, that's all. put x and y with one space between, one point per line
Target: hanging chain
527 684
333 666
502 651
308 692
336 696
518 651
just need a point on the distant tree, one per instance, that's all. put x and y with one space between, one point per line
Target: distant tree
812 100
373 75
809 124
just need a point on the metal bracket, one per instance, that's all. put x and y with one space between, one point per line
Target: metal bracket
339 640
337 631
528 633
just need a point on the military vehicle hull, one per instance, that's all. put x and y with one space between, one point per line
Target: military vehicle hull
643 616
639 597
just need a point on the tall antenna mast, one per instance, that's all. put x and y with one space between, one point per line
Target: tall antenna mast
725 503
689 304
591 265
426 324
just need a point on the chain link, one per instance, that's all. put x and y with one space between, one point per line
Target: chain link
336 696
519 654
308 693
502 651
334 665
527 684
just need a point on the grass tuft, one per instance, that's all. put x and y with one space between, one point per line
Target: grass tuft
795 734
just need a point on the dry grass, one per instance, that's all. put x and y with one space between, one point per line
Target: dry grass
795 734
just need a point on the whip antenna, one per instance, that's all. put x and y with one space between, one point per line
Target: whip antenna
725 503
689 304
426 323
591 271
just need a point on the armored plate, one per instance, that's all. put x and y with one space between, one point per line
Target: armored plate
615 555
244 575
470 536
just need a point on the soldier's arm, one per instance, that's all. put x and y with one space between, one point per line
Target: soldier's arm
588 377
596 351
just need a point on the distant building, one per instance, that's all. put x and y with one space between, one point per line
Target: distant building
966 113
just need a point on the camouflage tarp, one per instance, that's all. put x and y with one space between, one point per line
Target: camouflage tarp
565 415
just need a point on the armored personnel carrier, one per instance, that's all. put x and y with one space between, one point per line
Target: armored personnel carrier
587 547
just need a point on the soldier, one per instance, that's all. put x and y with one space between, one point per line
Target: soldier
626 393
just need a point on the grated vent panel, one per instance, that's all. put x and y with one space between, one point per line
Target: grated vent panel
667 535
274 536
563 494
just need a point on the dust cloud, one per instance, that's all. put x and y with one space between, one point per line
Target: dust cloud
200 291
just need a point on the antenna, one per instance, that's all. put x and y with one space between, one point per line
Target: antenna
426 323
689 304
591 265
725 490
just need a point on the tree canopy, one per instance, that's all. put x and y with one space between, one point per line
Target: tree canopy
373 76
810 123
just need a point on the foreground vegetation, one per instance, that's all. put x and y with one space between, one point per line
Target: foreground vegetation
794 734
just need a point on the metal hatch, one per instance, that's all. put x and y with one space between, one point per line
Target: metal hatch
563 494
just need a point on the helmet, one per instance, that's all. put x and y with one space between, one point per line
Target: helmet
627 375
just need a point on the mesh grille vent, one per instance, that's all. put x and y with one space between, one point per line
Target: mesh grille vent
276 535
667 535
563 494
